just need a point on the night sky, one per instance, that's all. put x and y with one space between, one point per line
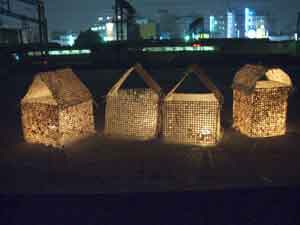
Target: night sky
80 14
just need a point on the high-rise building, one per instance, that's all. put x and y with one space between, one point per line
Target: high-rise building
247 15
183 24
232 25
217 26
106 27
261 27
250 26
255 25
167 26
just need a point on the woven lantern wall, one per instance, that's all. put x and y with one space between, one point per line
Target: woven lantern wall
57 109
133 113
260 106
192 118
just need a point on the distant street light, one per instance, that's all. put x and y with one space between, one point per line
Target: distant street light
187 38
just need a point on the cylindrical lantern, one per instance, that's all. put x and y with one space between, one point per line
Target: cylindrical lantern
260 106
192 118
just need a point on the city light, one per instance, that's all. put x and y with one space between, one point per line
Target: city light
217 26
249 23
72 39
211 24
194 48
61 52
187 38
255 26
251 34
70 52
105 28
109 31
231 25
94 28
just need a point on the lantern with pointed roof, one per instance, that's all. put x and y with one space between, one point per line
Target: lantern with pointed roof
133 113
260 103
193 119
57 109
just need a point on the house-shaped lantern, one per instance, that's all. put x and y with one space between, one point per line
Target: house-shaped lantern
260 101
192 118
133 113
57 109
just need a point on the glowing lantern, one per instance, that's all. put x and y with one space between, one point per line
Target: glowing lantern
57 109
260 106
133 113
192 118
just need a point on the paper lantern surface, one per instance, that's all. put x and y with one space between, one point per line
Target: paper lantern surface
260 109
57 109
192 119
133 113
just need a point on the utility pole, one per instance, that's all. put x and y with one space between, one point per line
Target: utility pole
117 19
124 13
43 29
121 24
298 26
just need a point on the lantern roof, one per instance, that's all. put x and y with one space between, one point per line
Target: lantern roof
142 73
247 77
215 94
59 87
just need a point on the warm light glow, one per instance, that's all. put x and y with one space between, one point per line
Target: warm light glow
133 113
57 114
263 111
205 131
192 118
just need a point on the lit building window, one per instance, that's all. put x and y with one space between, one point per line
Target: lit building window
255 26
